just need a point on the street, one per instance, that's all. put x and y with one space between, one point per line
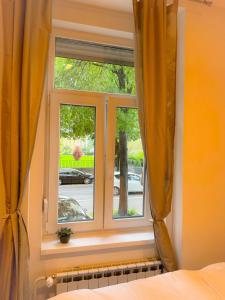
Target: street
83 193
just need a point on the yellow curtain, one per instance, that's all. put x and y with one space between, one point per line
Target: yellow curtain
24 35
156 38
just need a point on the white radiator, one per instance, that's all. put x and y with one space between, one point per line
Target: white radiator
104 276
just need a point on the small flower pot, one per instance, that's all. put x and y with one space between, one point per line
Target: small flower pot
64 239
64 234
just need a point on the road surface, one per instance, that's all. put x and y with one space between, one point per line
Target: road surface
83 193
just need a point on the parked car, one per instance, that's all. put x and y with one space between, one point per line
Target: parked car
73 176
134 183
69 210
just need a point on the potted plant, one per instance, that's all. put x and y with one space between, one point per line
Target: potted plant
64 234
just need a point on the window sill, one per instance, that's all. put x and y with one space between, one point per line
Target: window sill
100 240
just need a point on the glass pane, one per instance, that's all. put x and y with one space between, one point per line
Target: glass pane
128 199
71 73
76 163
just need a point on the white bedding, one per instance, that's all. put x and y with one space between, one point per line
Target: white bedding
205 284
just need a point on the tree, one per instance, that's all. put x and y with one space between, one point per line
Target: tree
127 129
94 76
78 122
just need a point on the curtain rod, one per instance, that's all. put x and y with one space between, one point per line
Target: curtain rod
206 2
168 2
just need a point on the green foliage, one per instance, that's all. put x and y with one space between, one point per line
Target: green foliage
87 161
77 121
127 121
66 150
94 76
68 161
64 231
136 159
131 213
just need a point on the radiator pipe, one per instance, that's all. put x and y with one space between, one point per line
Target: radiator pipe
49 281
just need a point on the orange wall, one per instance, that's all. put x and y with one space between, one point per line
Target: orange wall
203 239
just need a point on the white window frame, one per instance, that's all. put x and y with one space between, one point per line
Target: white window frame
113 103
59 97
103 200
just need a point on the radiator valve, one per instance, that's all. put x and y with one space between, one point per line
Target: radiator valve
49 281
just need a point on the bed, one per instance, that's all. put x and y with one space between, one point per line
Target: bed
205 284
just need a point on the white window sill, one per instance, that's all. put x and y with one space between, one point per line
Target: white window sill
100 240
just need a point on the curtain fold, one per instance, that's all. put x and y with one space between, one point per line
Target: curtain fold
24 33
156 44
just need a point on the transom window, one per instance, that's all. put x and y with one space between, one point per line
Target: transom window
96 158
94 67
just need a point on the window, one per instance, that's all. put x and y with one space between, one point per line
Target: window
76 122
93 67
127 186
96 156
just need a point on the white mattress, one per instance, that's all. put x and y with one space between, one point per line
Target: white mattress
205 284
